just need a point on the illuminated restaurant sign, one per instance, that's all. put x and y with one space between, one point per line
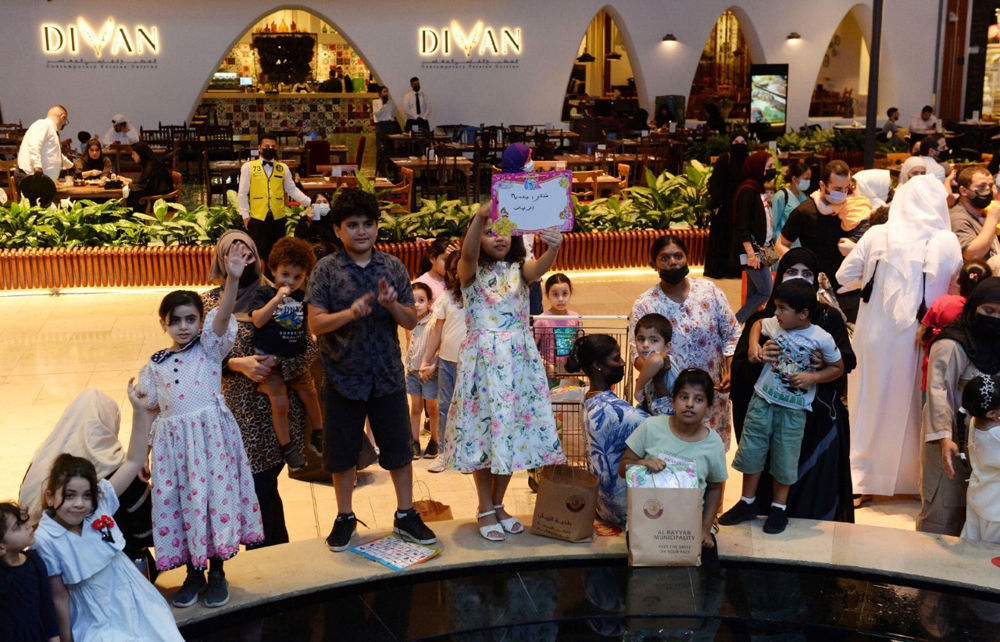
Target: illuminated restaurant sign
116 39
480 40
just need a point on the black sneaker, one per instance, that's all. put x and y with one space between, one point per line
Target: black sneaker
776 521
343 531
218 590
193 585
741 512
416 450
412 529
316 442
432 450
293 457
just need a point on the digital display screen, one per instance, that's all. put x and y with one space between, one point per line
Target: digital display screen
246 81
768 94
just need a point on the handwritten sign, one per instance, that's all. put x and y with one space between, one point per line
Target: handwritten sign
529 202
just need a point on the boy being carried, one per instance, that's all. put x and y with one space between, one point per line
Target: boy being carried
653 334
784 393
279 314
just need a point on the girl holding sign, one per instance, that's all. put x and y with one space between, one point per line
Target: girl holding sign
501 415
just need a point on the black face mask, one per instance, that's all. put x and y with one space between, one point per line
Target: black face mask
980 199
944 155
673 277
739 150
269 153
614 375
416 88
385 99
986 325
769 174
249 277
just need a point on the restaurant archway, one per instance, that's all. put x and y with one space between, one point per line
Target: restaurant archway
723 74
841 87
276 76
603 82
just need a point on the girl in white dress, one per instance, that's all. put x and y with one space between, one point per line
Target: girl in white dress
981 401
98 593
204 504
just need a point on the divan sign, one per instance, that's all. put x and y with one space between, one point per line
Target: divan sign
114 38
480 40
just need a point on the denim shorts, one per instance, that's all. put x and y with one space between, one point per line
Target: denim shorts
426 389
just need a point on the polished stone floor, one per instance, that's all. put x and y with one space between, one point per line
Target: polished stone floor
54 346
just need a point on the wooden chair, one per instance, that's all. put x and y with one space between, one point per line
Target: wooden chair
13 189
319 154
585 185
173 196
897 159
623 173
444 176
402 193
549 165
360 154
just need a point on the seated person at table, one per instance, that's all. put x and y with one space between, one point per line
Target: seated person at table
120 133
92 163
154 180
784 393
890 131
925 122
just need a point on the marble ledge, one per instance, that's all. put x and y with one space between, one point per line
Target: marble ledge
300 568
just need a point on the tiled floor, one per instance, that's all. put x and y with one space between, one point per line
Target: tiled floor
52 347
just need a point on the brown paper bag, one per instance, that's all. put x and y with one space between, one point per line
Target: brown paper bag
664 526
429 508
566 504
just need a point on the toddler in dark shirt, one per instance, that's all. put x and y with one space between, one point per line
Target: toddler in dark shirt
26 608
279 314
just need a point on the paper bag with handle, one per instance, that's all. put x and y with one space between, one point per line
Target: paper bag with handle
664 526
566 504
429 508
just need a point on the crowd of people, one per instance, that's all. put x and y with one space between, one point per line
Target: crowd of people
855 290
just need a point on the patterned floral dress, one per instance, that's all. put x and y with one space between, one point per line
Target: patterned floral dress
204 503
501 411
609 421
705 333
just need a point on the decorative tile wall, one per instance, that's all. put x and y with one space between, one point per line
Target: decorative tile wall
252 113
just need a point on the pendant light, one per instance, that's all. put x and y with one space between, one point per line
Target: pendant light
585 56
614 55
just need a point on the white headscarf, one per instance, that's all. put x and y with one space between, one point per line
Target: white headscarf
88 428
918 228
874 184
908 165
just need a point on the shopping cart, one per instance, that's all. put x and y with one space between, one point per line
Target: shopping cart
569 389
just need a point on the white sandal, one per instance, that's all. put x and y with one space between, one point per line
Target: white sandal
511 525
490 529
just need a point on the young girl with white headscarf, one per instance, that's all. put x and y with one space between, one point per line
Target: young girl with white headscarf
901 267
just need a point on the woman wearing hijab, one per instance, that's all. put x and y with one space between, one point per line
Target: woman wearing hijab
92 163
752 219
902 267
823 490
875 185
912 167
715 122
89 429
155 178
242 371
967 347
727 174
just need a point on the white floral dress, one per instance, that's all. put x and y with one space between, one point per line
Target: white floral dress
501 412
705 334
204 503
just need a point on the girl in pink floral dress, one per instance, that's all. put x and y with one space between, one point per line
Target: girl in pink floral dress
204 505
500 418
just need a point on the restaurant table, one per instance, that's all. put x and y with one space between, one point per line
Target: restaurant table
338 153
328 185
462 164
88 192
849 128
577 160
400 144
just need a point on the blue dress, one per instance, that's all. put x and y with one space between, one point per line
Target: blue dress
609 421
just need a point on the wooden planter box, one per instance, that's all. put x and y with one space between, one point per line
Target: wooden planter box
112 267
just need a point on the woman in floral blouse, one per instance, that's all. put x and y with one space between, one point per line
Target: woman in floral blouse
705 328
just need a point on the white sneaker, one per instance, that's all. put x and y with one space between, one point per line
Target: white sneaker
439 465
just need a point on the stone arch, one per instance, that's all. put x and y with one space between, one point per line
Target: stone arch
705 85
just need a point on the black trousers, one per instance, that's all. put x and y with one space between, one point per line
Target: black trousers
419 122
272 511
265 234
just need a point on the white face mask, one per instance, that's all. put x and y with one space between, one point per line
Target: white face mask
804 185
320 210
836 197
530 167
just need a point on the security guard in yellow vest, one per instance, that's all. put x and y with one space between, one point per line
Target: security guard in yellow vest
263 185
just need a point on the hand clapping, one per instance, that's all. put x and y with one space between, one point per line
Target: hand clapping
362 307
